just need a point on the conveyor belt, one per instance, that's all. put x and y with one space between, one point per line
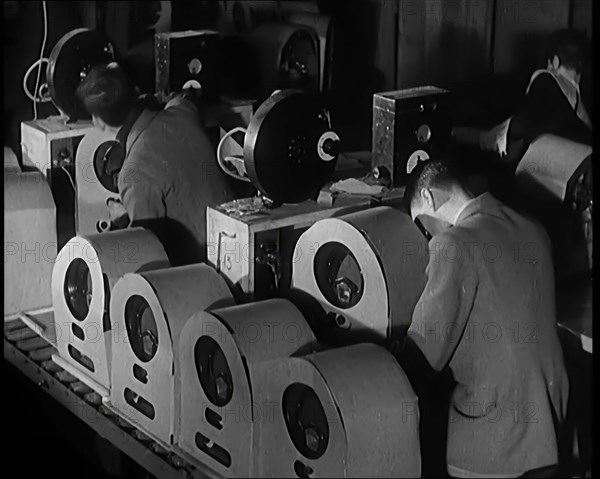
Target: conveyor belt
32 354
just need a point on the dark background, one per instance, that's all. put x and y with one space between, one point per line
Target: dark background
379 45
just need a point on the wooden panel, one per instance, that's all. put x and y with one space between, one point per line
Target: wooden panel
581 15
443 42
581 18
88 14
411 44
463 48
386 46
521 32
117 25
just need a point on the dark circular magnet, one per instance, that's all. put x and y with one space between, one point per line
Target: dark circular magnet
213 371
281 148
108 161
78 289
338 277
142 330
70 61
306 421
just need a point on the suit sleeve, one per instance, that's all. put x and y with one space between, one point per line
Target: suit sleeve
142 197
183 103
443 310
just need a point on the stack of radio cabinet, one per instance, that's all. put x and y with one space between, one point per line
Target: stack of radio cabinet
207 360
258 387
249 390
261 386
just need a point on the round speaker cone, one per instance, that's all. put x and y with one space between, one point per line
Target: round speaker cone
338 275
78 289
142 330
213 371
305 420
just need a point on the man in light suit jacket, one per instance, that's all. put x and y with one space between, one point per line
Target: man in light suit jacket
488 314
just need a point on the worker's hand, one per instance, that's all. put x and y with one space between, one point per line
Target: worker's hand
489 141
495 139
116 212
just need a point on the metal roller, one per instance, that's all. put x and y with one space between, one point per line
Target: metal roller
70 61
96 184
290 150
366 269
30 242
150 310
348 412
217 349
84 275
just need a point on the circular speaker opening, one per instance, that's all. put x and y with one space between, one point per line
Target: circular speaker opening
78 289
299 65
305 420
213 371
142 330
108 161
338 275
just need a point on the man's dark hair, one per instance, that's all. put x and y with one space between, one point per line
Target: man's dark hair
108 93
442 174
570 46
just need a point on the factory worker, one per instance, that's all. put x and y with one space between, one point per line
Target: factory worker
487 314
167 167
552 104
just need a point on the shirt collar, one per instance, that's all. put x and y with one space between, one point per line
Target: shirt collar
459 212
484 201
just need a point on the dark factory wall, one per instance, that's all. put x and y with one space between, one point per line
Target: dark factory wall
451 41
453 44
392 44
23 35
379 45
